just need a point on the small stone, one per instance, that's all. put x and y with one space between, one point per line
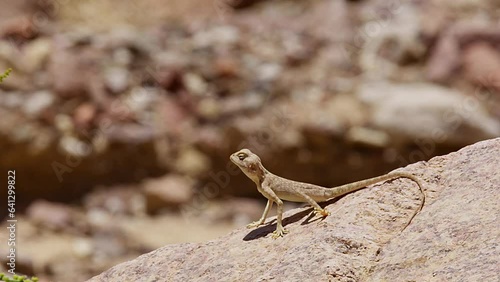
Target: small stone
192 162
72 69
75 147
140 99
247 102
171 59
123 56
219 35
175 117
99 218
195 84
210 138
8 53
84 114
36 103
116 79
63 123
130 132
50 215
226 67
368 136
83 247
35 54
269 72
169 191
209 108
116 200
12 100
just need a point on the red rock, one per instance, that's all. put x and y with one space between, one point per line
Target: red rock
84 114
226 67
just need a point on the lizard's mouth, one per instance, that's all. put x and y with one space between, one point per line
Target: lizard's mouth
234 159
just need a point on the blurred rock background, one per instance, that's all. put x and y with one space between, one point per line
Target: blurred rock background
119 116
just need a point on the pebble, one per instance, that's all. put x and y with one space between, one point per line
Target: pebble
37 102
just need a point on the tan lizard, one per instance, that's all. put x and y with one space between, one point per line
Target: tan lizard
276 189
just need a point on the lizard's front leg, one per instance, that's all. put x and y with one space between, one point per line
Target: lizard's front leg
261 221
280 231
268 192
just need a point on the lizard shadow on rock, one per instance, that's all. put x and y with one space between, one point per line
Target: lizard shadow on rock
271 226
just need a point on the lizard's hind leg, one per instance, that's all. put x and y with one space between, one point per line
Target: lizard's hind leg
317 208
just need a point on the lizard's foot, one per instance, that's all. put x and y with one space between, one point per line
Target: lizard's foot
279 232
322 212
255 224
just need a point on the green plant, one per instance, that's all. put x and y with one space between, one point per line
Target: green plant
17 278
5 74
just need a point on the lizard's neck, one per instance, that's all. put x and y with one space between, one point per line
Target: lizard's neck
259 174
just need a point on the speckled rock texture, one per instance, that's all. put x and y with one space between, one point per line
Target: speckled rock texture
454 238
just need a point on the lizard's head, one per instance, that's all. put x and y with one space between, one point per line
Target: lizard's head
249 163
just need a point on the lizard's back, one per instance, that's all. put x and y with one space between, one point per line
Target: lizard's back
290 190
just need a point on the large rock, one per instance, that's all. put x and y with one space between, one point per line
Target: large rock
416 111
454 237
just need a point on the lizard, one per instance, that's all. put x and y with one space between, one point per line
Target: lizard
276 189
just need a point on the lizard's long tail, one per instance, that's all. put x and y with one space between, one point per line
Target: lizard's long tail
347 188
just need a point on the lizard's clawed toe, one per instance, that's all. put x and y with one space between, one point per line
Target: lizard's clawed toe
279 232
322 212
254 224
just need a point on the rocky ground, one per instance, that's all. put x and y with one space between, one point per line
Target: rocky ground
119 117
453 238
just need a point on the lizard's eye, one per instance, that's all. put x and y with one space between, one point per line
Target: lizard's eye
242 156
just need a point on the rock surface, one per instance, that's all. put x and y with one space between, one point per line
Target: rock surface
454 238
